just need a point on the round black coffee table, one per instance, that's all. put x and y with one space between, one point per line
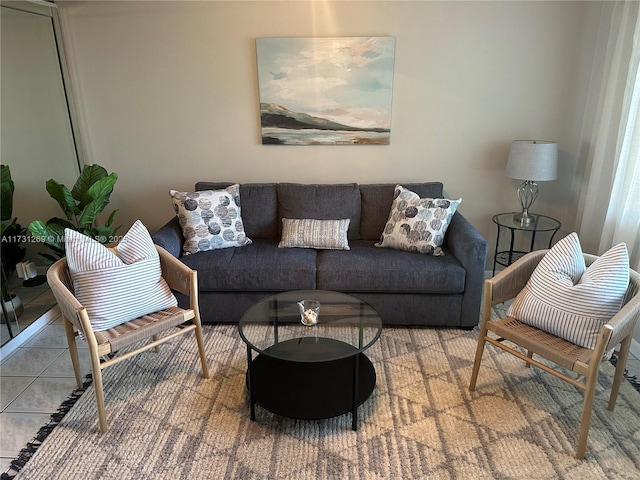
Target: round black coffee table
310 372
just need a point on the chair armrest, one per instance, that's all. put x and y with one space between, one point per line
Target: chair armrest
510 281
466 244
624 322
178 276
170 237
69 305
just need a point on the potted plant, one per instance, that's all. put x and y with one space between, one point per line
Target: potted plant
81 206
12 235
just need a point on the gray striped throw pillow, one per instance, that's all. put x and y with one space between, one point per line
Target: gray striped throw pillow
566 299
116 287
311 233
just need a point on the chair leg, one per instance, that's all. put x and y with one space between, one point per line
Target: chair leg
478 359
484 330
625 346
530 355
157 347
200 341
585 420
73 351
479 351
97 385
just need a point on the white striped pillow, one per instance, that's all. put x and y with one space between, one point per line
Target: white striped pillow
569 301
117 287
312 233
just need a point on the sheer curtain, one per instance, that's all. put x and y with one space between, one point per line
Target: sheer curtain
609 211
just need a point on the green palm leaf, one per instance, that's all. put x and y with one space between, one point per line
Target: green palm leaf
63 196
96 199
90 174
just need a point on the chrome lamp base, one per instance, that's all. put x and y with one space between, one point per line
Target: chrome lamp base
527 193
524 219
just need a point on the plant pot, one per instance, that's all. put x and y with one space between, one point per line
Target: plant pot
12 306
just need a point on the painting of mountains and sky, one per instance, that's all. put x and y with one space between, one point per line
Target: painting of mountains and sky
326 91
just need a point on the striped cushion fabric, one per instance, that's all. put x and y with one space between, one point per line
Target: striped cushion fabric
117 287
311 233
566 299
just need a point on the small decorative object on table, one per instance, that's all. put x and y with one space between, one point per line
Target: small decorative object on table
309 311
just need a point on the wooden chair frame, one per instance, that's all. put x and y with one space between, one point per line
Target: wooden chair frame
104 343
584 362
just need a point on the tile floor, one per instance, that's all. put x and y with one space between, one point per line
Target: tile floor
34 380
37 377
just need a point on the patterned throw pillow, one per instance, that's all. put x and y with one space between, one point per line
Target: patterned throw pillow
210 219
116 287
311 233
566 299
417 224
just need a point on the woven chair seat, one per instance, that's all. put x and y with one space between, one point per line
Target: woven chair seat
558 350
141 328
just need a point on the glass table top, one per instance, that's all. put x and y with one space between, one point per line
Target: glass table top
350 325
540 223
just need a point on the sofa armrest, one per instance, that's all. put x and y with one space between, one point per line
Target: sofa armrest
466 244
170 237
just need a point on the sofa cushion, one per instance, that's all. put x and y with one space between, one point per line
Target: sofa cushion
376 202
417 224
312 233
322 202
120 284
210 219
261 266
259 207
368 269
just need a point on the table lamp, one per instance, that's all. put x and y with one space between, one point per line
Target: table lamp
532 161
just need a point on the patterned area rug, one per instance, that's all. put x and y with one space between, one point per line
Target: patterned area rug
166 421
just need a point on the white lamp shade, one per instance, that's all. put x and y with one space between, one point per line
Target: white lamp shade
534 160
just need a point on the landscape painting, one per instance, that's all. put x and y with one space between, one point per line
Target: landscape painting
326 91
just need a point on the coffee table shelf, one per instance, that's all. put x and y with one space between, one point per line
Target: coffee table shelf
311 390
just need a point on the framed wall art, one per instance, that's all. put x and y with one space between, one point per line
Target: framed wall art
326 91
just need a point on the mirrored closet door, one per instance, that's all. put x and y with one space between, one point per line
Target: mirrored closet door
37 142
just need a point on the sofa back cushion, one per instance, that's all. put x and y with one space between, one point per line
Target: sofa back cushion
367 206
259 203
376 204
322 202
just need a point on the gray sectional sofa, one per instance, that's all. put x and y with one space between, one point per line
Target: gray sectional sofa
405 288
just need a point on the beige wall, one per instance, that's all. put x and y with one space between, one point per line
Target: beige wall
168 95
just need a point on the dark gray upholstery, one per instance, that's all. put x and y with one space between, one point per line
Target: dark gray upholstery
258 204
417 309
366 268
170 237
272 269
405 288
323 202
376 203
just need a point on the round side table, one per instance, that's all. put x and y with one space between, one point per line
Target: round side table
541 223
